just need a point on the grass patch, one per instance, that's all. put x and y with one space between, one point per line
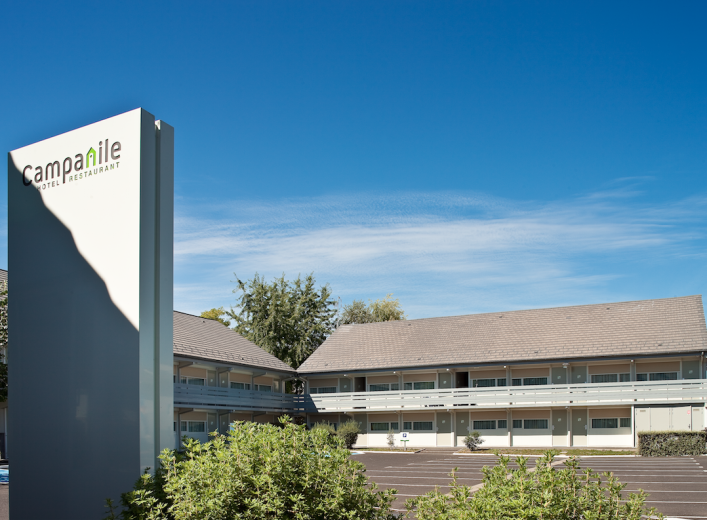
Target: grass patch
570 452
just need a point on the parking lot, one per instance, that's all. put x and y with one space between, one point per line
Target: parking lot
677 485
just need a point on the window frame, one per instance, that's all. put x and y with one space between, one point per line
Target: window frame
389 387
185 380
318 390
393 425
484 425
246 386
185 425
526 422
609 423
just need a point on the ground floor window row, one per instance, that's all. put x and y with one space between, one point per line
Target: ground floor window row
499 424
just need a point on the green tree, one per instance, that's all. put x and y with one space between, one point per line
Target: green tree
3 341
387 309
382 309
356 312
287 319
218 315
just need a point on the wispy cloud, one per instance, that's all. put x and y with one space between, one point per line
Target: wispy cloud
441 253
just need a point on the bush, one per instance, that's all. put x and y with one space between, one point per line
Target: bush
258 471
546 493
473 441
391 439
326 427
669 444
348 432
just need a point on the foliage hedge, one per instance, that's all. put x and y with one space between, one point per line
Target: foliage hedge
670 444
548 493
258 471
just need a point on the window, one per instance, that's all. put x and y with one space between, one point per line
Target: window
484 425
535 424
625 422
395 386
624 378
384 426
193 381
193 426
518 423
408 386
501 381
534 381
175 426
240 386
483 382
502 424
407 425
605 423
422 426
605 378
641 377
197 426
379 388
424 385
263 388
516 382
663 376
323 390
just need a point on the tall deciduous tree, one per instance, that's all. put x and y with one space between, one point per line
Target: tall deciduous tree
383 309
218 315
287 319
356 312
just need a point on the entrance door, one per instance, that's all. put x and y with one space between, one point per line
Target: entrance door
359 384
211 422
223 423
462 428
444 429
559 376
697 418
559 427
579 427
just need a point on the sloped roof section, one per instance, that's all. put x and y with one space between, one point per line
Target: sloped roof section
3 275
210 340
644 327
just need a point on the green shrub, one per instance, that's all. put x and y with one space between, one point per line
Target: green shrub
473 441
348 432
326 427
258 471
670 444
547 493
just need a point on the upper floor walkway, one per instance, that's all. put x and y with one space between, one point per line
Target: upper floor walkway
589 394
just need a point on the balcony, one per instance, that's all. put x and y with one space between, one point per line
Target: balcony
208 397
603 394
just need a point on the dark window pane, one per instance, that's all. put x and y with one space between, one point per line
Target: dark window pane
484 425
605 423
535 424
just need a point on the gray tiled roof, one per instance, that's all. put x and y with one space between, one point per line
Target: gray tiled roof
197 337
645 327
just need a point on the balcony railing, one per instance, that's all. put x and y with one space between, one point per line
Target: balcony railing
650 392
195 396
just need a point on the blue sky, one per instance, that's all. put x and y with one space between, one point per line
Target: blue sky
465 156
